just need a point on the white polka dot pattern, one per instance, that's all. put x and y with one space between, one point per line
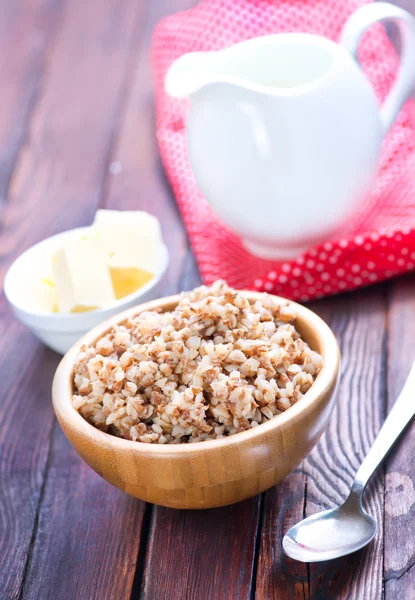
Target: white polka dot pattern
379 242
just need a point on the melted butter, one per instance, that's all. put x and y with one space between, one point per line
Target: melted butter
76 309
80 308
48 281
125 281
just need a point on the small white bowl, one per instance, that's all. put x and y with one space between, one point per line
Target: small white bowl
61 331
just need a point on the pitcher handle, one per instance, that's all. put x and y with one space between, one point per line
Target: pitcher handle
405 80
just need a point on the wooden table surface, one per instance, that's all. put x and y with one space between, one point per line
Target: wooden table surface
77 107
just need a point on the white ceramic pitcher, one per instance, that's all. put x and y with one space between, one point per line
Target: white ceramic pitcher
284 131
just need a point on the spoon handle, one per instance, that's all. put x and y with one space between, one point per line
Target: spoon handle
400 415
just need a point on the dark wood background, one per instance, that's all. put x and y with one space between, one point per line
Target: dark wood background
75 97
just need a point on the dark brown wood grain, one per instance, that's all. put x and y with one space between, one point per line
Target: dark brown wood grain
61 171
400 465
57 184
190 277
88 530
26 422
27 28
358 321
278 576
209 554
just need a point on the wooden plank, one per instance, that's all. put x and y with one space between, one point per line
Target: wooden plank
26 29
401 588
400 468
202 555
358 323
137 180
133 182
278 576
190 276
57 184
88 533
62 168
25 429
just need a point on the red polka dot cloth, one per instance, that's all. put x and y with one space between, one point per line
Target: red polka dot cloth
378 243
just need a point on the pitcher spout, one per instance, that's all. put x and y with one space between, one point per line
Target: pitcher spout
190 73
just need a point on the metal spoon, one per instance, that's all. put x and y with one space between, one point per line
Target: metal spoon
340 531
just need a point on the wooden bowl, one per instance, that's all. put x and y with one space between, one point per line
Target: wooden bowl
215 472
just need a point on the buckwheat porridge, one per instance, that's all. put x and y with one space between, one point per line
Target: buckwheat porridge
214 366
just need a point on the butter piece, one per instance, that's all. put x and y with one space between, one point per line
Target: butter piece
129 239
46 294
82 278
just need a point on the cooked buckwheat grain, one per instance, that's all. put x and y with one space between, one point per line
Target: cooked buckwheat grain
214 366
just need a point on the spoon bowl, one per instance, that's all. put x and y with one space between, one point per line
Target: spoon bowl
343 530
331 533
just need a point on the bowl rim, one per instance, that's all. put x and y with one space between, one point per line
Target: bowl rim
76 317
62 385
